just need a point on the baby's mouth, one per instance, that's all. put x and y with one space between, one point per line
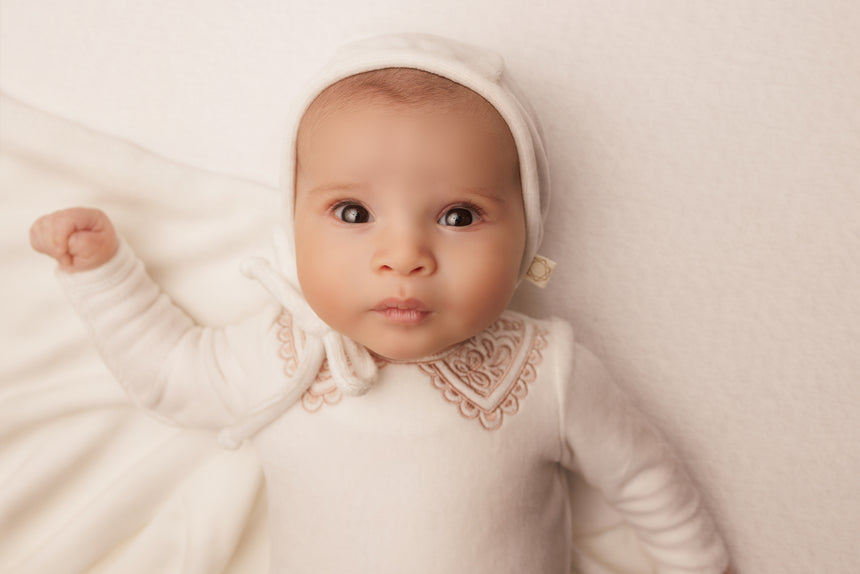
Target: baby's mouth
403 311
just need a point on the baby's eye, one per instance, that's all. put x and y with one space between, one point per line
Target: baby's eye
352 213
458 217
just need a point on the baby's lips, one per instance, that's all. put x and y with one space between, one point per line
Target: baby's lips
411 304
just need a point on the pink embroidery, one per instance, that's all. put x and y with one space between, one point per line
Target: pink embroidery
288 348
323 390
321 393
488 375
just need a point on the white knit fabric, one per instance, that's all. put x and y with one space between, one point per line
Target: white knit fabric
444 466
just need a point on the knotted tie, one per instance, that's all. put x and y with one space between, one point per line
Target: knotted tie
352 367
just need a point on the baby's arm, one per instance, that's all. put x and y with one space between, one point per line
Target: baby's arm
166 362
624 456
79 239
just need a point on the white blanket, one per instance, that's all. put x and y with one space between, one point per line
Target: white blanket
88 482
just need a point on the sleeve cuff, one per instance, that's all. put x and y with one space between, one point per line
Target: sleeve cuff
104 277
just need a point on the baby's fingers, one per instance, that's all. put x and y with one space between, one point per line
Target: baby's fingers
78 238
88 250
49 235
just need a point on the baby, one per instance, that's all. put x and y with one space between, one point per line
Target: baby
406 420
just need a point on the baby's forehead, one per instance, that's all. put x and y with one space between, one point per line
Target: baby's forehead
407 87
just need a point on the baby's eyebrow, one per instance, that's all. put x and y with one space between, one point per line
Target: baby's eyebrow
349 187
489 193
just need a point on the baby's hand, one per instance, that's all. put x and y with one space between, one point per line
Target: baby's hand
79 238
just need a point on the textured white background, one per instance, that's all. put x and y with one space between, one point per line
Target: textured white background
706 201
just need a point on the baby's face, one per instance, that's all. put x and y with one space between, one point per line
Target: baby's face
409 224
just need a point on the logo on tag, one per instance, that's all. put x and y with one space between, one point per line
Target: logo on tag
540 270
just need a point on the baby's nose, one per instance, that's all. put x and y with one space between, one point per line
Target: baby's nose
407 254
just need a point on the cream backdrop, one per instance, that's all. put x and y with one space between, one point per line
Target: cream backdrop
706 210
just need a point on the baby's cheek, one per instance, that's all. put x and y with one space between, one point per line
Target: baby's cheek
325 274
486 291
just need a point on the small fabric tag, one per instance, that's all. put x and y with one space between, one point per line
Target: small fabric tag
540 270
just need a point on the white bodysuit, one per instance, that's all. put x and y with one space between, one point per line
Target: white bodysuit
459 463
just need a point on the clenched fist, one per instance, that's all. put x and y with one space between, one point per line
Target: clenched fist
79 238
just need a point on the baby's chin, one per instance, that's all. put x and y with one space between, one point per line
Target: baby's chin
404 351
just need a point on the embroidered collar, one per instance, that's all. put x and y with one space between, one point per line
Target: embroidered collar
485 377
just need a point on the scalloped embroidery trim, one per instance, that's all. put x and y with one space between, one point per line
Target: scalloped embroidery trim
323 390
486 377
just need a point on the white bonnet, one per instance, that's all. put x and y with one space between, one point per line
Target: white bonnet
476 68
352 366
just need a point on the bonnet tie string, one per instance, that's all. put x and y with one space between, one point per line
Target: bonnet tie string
352 367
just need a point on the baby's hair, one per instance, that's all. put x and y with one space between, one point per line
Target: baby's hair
400 86
406 86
